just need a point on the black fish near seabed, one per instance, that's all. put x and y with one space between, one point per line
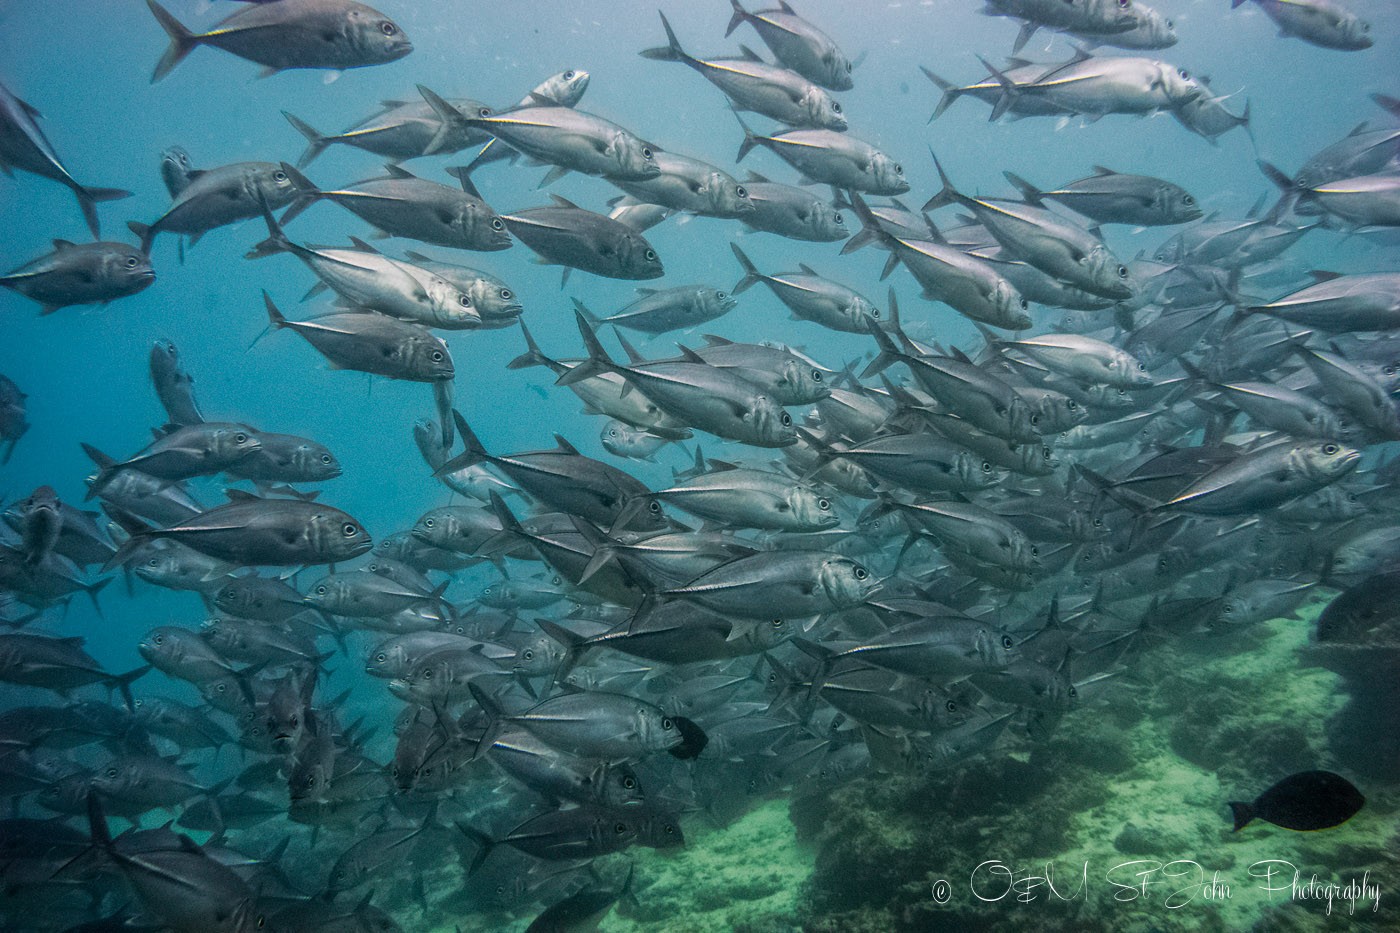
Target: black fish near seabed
1309 800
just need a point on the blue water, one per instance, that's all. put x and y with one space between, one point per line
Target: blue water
85 64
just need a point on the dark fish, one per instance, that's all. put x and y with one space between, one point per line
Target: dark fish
292 34
567 235
82 274
174 387
1309 800
24 146
372 343
12 416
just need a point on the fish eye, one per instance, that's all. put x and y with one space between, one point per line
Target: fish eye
497 225
568 76
1330 449
484 112
240 438
1389 370
898 169
279 176
860 572
817 373
464 300
647 153
325 458
986 466
1098 523
159 639
721 295
1122 272
1006 641
1073 405
741 191
1142 367
629 782
506 294
670 830
620 828
132 262
840 220
437 356
1185 75
650 255
427 523
153 562
666 723
388 28
1035 420
654 507
875 313
835 107
612 432
528 654
848 67
786 420
1035 551
381 657
1025 304
321 590
777 623
1228 608
1073 693
1171 25
350 530
1187 199
824 505
111 772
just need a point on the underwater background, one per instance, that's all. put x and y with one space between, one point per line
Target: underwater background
1140 772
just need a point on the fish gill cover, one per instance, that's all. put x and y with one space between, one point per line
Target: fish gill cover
414 518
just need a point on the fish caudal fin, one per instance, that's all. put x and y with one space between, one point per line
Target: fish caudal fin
182 41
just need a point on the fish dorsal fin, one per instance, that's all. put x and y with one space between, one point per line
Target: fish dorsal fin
564 446
755 178
1360 128
1102 170
807 269
562 201
463 175
646 291
749 54
397 171
61 245
959 355
362 246
1322 275
714 340
633 356
691 357
783 5
241 495
1015 62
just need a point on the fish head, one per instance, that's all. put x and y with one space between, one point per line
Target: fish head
1327 461
128 268
1022 422
824 111
336 536
640 260
314 462
1178 84
481 227
974 471
162 645
813 512
494 300
771 423
618 785
726 196
373 35
1178 205
1011 306
1355 32
175 169
836 70
326 593
801 383
233 443
538 655
889 175
633 159
566 88
825 223
846 582
387 660
451 305
1130 371
716 301
661 831
1111 277
429 359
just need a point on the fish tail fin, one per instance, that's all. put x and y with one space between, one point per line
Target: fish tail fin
672 51
870 229
483 841
1276 175
106 466
123 682
182 41
316 142
1243 813
751 274
581 308
1030 192
750 140
144 232
1009 91
532 356
598 360
276 320
950 93
473 454
572 642
736 20
276 241
1028 29
87 202
308 193
949 194
824 657
97 822
1233 4
92 589
889 354
491 707
451 117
